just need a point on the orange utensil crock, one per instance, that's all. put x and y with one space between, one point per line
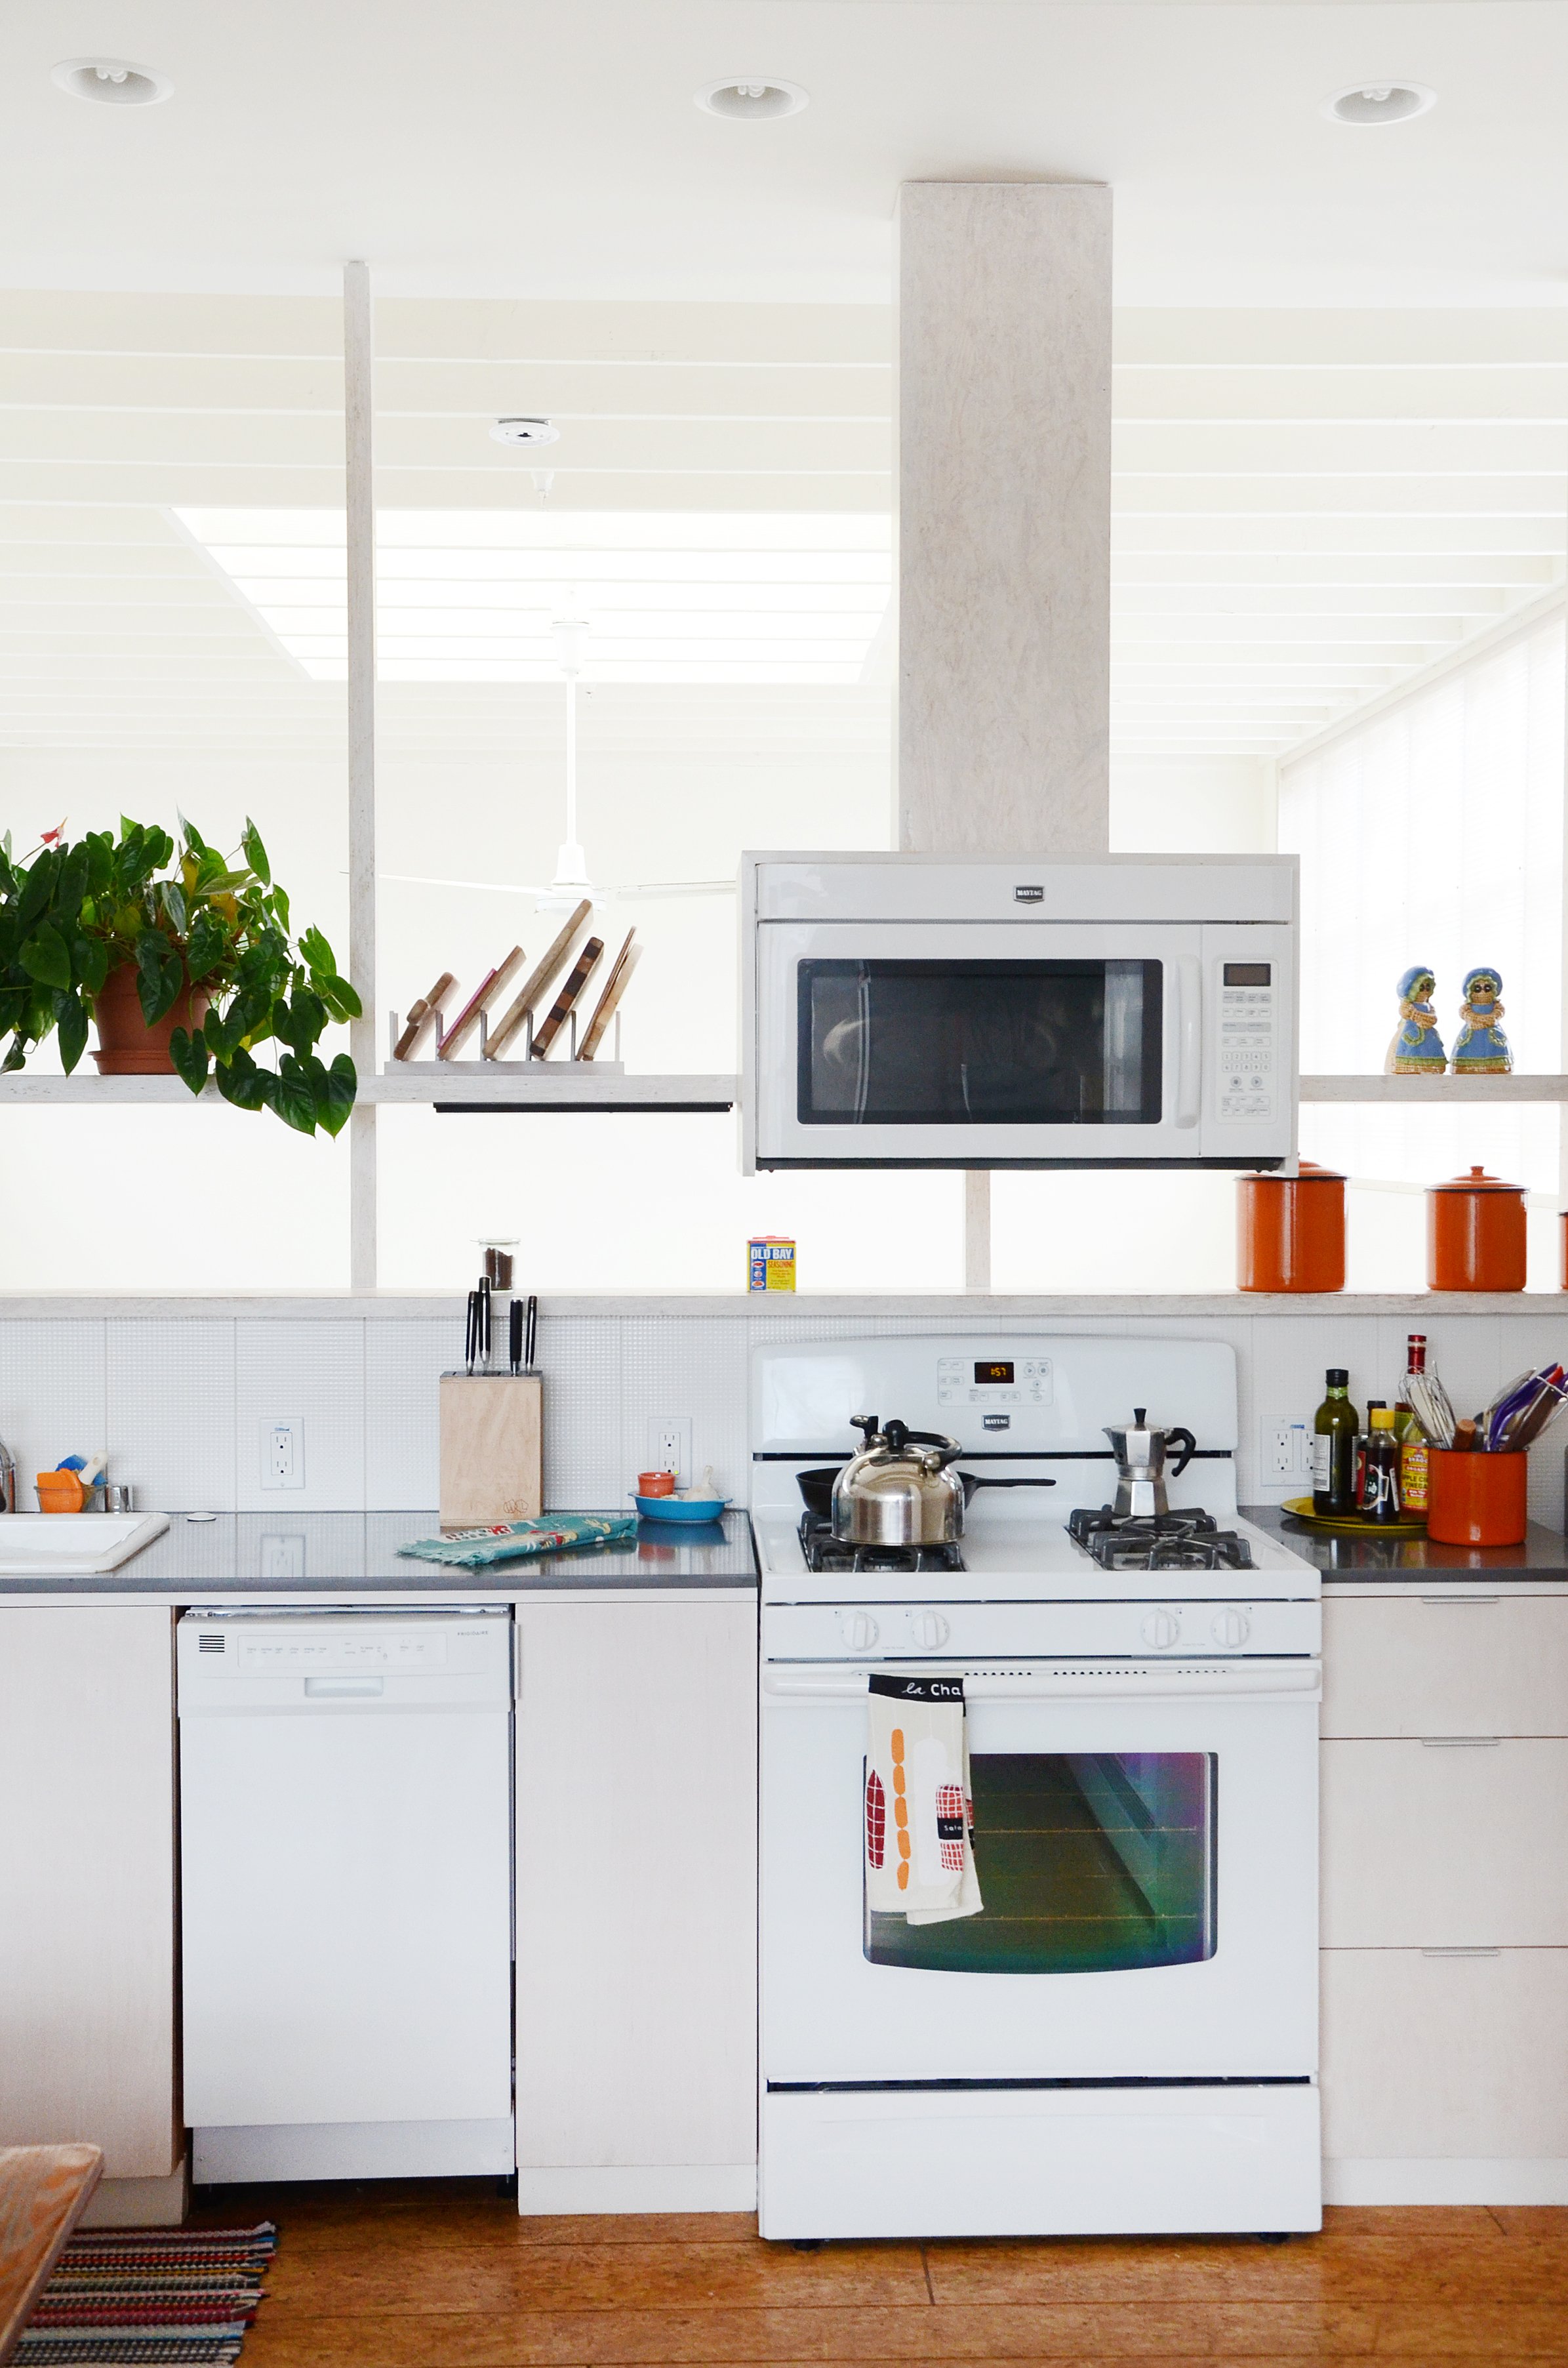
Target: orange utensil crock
1476 1500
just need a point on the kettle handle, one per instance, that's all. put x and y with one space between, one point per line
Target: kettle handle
867 1424
1190 1449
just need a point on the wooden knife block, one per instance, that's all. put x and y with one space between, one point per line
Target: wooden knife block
492 1444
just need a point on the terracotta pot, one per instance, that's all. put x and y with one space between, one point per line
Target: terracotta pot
1290 1231
127 1047
1475 1233
1476 1500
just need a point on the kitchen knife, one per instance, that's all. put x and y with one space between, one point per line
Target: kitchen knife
560 1010
533 1328
514 1336
472 1336
539 979
616 985
467 1020
419 1018
484 1323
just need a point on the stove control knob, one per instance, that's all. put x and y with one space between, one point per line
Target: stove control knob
1230 1627
859 1629
929 1630
1161 1629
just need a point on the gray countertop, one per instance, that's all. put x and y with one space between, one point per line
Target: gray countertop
1340 1555
305 1554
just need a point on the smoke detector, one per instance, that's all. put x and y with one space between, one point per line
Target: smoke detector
112 82
751 98
1378 102
525 431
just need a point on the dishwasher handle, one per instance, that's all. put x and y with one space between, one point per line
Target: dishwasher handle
344 1689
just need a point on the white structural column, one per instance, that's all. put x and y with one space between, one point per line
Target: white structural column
1003 518
358 419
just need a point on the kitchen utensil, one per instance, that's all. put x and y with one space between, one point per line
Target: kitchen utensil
468 1018
680 1509
560 1010
1539 1418
1475 1233
609 1003
1290 1231
1477 1500
470 1336
484 1312
1467 1435
1141 1450
419 1018
1433 1407
532 1330
817 1487
898 1491
514 1336
536 983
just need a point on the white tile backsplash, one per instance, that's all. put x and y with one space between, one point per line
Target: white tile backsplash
171 1412
179 1402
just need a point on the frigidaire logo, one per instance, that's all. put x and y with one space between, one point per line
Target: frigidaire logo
1032 892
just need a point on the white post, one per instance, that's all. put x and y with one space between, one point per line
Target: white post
359 420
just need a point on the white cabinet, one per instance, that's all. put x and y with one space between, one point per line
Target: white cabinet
636 1915
88 1883
1445 1897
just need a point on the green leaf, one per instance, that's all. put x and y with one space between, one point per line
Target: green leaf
89 961
207 945
72 1032
243 1084
160 974
47 957
191 834
256 854
318 953
189 1054
171 896
296 1102
37 888
335 1099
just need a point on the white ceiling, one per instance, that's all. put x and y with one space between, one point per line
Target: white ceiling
496 146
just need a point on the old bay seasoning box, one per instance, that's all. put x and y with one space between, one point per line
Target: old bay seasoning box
771 1262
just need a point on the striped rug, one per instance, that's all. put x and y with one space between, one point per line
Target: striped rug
150 2298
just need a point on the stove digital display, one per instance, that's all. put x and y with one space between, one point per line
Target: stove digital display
1000 1369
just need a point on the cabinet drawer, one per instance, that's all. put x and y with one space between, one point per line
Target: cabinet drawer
1426 1847
1433 2055
1457 1664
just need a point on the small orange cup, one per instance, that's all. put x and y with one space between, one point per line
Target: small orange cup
1476 1500
60 1492
655 1484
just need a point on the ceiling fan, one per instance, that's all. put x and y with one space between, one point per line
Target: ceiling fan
571 883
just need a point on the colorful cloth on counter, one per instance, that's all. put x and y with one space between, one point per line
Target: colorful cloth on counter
919 1835
508 1541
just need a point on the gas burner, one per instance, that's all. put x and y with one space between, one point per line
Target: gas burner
823 1552
1188 1540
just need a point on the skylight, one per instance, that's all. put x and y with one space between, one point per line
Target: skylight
469 596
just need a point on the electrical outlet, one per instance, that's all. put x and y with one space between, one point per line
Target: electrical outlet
669 1446
1286 1450
282 1554
283 1452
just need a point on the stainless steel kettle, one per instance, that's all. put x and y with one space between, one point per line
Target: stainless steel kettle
1141 1453
901 1490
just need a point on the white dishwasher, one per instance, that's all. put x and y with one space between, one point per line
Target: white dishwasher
346 1854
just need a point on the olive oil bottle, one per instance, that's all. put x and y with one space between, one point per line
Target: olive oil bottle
1335 1428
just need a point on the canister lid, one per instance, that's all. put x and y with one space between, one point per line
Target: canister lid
1310 1173
1477 1180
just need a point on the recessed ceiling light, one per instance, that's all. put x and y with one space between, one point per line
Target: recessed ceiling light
1378 102
112 82
525 431
751 98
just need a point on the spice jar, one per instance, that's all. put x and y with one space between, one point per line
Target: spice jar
1290 1231
1475 1233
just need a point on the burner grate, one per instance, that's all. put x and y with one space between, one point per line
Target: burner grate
823 1552
1186 1541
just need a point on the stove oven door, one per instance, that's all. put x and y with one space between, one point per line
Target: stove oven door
1146 1845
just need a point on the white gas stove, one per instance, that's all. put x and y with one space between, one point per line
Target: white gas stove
1125 2037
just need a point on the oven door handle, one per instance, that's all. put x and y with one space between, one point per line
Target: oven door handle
1221 1681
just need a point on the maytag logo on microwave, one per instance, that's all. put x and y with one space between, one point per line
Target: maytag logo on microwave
1031 892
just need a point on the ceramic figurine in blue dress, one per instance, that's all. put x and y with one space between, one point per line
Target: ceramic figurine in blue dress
1480 1047
1418 1049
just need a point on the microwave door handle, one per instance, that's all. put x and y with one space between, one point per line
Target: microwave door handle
1187 977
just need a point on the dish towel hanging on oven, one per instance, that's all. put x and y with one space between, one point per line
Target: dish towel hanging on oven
919 1812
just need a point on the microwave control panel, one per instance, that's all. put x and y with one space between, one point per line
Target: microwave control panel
1246 1069
994 1380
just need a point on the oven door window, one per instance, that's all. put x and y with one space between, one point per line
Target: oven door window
967 1043
1090 1862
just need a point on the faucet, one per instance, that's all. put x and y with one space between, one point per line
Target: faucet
7 1480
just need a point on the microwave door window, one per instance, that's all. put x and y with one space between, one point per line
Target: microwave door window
977 1044
1089 1863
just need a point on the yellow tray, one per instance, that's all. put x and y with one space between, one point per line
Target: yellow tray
1409 1525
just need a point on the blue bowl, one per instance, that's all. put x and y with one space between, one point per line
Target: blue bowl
679 1509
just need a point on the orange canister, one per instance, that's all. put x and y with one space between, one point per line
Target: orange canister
1477 1500
1475 1233
1290 1231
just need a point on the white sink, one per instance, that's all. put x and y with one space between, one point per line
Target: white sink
60 1542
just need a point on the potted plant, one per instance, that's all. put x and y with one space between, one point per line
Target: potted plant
187 964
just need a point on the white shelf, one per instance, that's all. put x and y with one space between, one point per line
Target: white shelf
464 1086
1447 1089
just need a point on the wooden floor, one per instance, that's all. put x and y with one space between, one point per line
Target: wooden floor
445 2274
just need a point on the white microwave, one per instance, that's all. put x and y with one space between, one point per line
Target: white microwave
1089 1011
